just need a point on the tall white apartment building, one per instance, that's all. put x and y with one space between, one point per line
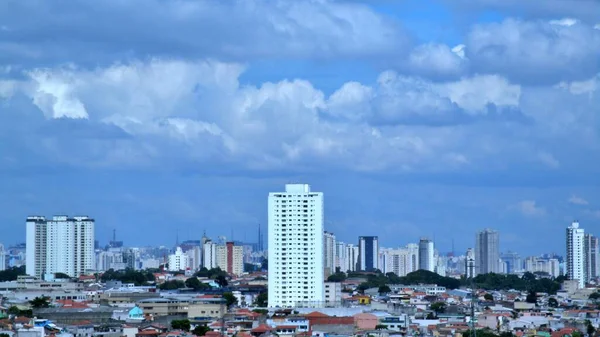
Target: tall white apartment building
426 255
60 245
401 261
179 260
470 263
296 219
2 258
575 254
329 250
209 255
352 253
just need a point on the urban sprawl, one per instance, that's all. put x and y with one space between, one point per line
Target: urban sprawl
301 281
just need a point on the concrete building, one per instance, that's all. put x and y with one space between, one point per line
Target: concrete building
368 253
210 255
487 252
590 248
2 258
192 308
352 253
513 262
401 261
470 263
295 231
329 250
340 256
575 267
230 258
426 255
60 245
333 294
179 261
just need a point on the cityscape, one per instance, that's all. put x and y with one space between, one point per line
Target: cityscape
300 168
295 279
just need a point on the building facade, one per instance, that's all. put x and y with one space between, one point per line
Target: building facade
368 253
2 258
230 258
426 255
209 255
487 252
590 247
179 260
575 266
352 254
470 263
296 271
60 245
329 250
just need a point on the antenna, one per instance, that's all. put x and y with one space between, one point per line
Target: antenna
177 238
114 235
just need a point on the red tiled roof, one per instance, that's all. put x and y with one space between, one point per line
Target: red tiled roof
261 329
331 321
22 319
148 333
287 327
315 314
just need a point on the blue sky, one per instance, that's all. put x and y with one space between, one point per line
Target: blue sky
415 118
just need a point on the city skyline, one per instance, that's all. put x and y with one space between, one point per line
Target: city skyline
428 119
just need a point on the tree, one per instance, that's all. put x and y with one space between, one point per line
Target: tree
594 296
590 329
264 265
262 300
61 276
221 281
40 302
552 302
576 333
384 289
11 274
4 335
230 299
337 277
181 324
195 284
380 327
172 285
438 307
488 297
531 297
200 330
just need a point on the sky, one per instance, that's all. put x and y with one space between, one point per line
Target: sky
439 118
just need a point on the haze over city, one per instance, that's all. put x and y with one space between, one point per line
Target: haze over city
414 118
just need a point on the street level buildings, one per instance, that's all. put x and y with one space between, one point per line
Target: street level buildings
295 231
59 245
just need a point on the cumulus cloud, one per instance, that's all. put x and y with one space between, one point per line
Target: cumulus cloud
530 208
576 200
95 31
534 51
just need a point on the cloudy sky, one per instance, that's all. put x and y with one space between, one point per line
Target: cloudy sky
415 117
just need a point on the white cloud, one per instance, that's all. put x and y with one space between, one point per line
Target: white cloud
566 22
530 208
577 200
548 159
475 93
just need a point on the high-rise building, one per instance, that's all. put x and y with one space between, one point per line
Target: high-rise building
179 260
230 258
590 247
209 255
512 261
329 250
368 253
61 245
487 252
576 254
295 232
470 263
2 258
340 256
352 253
426 255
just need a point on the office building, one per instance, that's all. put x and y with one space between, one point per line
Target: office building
487 252
512 261
295 232
426 255
590 247
340 256
576 254
470 263
179 261
60 245
230 258
368 253
329 250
